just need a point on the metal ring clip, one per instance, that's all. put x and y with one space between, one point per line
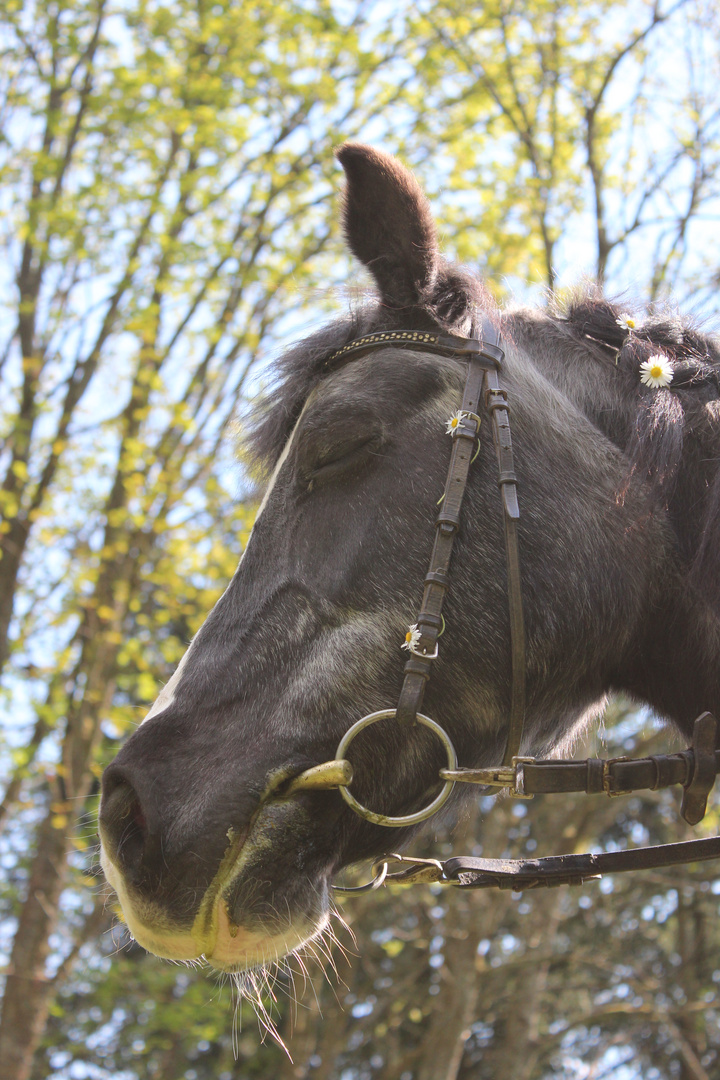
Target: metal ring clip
425 871
406 819
375 883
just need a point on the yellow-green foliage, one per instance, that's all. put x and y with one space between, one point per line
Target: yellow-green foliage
169 218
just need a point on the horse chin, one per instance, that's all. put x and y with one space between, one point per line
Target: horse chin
237 948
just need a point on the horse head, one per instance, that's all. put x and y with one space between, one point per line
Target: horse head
208 847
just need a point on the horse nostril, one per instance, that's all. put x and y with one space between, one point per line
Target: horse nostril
123 824
138 816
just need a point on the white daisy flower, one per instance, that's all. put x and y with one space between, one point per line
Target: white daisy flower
626 322
411 638
452 424
657 371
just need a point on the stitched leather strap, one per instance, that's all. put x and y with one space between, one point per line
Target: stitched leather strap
484 358
614 776
694 768
444 344
517 874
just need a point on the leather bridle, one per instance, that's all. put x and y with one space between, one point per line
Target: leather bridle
523 777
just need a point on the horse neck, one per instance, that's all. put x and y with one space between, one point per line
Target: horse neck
674 662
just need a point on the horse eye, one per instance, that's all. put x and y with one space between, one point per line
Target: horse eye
322 458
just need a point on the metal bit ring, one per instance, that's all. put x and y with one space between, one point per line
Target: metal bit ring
405 819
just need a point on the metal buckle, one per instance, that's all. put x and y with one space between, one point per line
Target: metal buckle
518 791
502 776
500 397
465 431
606 778
425 655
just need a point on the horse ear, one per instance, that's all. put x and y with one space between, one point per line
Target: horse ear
388 225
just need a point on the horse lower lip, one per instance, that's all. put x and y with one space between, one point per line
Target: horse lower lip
237 948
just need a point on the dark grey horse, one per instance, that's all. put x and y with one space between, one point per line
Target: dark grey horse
620 551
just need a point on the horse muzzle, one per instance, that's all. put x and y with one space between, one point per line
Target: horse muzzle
268 896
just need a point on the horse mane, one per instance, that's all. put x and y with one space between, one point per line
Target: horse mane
672 435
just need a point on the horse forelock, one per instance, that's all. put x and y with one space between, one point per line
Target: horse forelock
458 301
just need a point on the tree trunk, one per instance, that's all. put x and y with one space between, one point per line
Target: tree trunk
470 917
13 547
444 1043
27 989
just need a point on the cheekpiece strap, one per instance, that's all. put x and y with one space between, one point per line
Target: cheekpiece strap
482 386
485 359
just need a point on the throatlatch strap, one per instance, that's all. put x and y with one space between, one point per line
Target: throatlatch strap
496 402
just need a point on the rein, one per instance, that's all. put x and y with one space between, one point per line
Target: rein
523 777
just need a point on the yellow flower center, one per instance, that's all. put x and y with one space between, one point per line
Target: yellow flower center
656 371
455 421
408 636
630 323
